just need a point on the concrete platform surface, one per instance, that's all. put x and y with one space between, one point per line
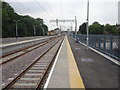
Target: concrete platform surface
11 40
64 73
96 71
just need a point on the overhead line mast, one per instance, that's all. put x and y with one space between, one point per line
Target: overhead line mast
66 20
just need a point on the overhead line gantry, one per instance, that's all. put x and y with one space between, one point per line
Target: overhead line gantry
67 20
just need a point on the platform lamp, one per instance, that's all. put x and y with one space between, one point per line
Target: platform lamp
87 39
16 33
43 29
34 27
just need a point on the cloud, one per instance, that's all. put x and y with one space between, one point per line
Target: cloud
103 11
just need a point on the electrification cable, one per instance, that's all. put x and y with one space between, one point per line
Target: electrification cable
43 9
50 9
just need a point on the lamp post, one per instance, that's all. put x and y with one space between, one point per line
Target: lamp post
71 30
75 28
16 28
43 31
87 39
34 26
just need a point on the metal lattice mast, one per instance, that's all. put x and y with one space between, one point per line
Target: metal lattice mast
66 20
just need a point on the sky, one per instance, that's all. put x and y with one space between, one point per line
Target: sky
102 11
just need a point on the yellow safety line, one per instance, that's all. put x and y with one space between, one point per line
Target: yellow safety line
75 78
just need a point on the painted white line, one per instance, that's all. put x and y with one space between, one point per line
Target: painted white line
16 74
3 84
49 77
111 59
77 48
106 56
10 78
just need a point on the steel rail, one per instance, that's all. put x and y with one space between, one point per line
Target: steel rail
31 65
24 50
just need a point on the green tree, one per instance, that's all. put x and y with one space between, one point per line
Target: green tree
82 29
45 29
25 25
96 28
110 29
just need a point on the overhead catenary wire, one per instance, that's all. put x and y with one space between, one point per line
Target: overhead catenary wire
43 9
52 13
29 9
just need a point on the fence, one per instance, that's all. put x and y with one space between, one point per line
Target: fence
107 44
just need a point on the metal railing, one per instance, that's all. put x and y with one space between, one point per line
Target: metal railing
107 44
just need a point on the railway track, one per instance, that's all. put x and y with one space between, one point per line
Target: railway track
13 55
34 74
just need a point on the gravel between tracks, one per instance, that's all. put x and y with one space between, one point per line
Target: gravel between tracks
11 69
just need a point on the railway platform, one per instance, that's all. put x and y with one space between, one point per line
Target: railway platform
77 67
64 73
74 66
